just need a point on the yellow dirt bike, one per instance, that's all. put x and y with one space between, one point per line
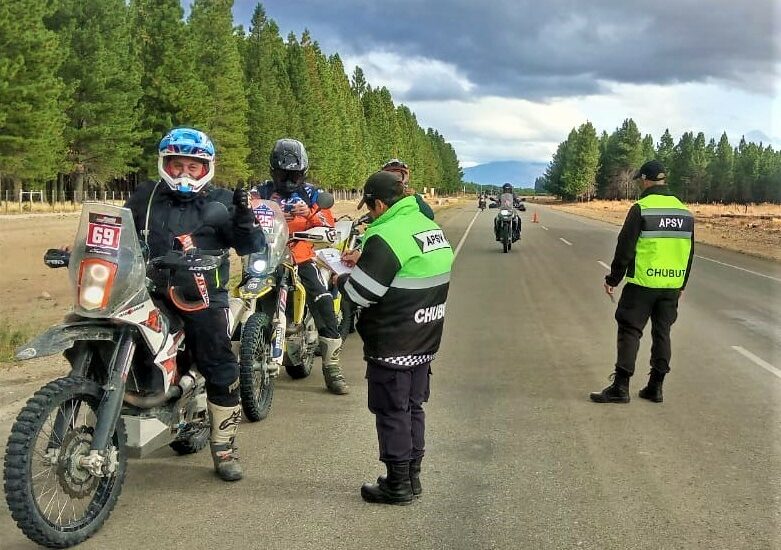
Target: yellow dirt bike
277 328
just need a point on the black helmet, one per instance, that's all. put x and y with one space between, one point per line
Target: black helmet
507 188
289 164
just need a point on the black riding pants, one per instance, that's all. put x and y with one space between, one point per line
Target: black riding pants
636 305
319 300
396 397
206 334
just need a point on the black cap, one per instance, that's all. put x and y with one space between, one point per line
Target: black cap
653 170
382 185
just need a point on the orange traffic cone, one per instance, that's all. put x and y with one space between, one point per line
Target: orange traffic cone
535 218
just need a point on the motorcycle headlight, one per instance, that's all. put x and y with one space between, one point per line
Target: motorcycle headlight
257 264
504 212
95 280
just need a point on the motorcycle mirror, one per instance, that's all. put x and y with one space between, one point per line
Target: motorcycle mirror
55 258
325 200
215 214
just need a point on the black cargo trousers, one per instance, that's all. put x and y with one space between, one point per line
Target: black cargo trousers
396 397
636 306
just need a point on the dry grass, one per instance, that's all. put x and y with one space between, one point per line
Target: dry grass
753 229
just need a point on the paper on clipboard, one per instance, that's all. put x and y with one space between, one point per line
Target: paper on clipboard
333 259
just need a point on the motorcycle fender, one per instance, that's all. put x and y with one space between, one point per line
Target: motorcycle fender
59 338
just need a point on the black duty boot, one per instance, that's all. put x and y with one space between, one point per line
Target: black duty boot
617 392
395 488
653 391
414 477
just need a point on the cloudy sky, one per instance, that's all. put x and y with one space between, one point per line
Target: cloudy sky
508 79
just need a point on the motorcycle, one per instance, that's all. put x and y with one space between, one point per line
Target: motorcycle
505 217
277 327
481 204
132 387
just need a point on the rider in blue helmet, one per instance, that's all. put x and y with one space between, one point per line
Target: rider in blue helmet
166 212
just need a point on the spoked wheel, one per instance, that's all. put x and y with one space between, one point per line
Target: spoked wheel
55 497
301 353
256 382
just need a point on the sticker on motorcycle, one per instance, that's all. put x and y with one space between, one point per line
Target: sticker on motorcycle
265 216
103 234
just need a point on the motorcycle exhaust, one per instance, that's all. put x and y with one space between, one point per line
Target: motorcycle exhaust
161 398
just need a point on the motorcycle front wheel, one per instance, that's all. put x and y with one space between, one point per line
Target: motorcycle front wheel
53 498
255 384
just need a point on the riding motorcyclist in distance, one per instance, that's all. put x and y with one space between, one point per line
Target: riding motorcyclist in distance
289 164
169 214
507 201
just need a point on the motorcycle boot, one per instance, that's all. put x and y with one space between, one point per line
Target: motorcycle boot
225 454
414 476
653 391
617 392
395 488
330 349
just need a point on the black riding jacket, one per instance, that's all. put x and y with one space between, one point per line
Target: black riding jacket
172 215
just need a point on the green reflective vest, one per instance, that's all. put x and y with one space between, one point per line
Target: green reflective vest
664 244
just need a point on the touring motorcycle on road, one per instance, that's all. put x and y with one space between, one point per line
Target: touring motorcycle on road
132 387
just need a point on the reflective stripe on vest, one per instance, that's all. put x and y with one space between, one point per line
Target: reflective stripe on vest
664 244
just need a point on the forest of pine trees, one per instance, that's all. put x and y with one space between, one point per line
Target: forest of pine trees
587 166
88 88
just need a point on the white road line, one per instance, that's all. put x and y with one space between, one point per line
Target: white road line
463 237
757 360
603 264
740 268
565 241
545 228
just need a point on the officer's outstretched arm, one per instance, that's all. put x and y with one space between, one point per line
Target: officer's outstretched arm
372 275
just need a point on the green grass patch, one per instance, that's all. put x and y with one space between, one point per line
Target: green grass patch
11 337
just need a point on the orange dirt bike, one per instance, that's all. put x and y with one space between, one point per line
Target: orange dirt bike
131 390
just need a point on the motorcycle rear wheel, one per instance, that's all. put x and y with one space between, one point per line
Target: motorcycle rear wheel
255 385
298 363
65 485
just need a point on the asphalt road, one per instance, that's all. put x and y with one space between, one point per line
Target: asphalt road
518 457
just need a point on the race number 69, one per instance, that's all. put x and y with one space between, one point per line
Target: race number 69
104 236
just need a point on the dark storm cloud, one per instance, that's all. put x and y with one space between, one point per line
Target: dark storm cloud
558 48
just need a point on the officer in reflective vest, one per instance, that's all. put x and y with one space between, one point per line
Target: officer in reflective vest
654 251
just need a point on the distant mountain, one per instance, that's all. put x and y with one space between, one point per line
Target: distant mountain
518 172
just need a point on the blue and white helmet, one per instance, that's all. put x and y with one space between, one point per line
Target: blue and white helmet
186 142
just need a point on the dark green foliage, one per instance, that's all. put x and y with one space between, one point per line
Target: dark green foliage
32 95
89 87
220 68
174 94
103 79
698 171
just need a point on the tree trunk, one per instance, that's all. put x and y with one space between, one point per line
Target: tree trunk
16 185
58 195
77 182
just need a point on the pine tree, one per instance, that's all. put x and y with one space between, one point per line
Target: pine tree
32 95
220 68
173 93
268 91
623 156
665 149
105 86
578 178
